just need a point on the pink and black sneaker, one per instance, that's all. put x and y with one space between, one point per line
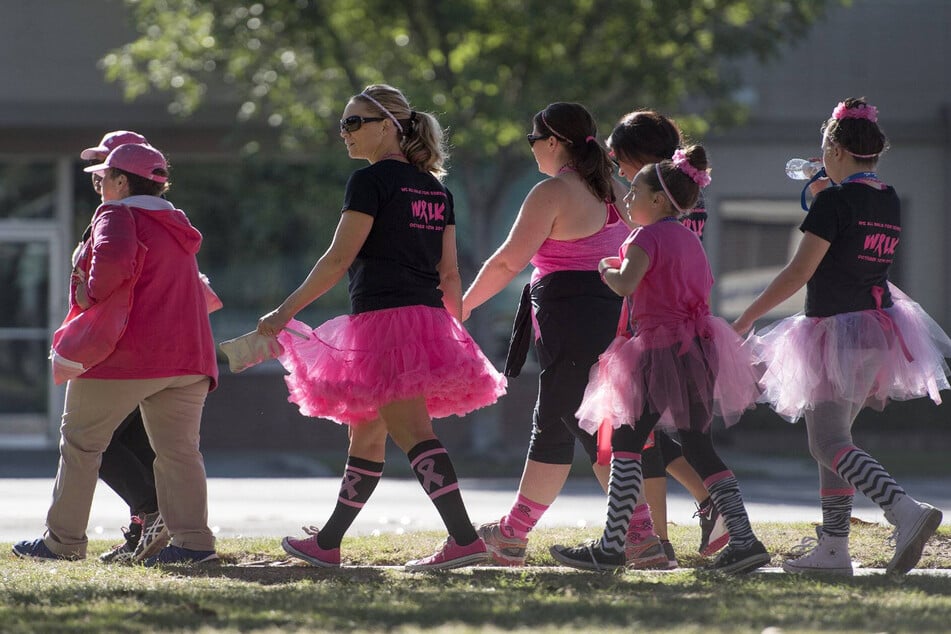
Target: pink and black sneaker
451 555
308 550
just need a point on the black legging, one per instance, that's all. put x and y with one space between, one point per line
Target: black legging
127 465
577 316
698 447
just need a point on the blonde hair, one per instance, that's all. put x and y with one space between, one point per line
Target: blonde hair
422 139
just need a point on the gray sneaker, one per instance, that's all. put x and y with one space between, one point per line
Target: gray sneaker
154 538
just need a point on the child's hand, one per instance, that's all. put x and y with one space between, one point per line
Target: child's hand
613 262
742 325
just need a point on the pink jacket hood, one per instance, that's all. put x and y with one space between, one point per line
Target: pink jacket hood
166 214
167 332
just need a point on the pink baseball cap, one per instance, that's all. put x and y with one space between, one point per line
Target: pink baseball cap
141 160
111 141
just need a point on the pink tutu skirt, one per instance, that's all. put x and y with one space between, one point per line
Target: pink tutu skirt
865 358
353 364
708 372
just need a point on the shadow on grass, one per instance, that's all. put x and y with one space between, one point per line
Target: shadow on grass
370 599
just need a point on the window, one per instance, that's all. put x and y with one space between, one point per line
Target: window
758 237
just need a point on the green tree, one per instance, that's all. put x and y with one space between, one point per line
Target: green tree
483 66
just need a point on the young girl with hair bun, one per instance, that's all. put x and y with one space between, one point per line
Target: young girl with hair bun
860 342
681 367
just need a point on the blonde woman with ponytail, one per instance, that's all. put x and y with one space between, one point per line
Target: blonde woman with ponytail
401 358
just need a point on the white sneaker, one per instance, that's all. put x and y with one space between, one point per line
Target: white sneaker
828 555
915 522
154 537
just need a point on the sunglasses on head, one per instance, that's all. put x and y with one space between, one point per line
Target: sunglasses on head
354 122
535 137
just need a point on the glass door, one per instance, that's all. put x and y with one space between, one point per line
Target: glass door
36 215
29 263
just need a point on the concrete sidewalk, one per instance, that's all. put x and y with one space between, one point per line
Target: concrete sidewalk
272 504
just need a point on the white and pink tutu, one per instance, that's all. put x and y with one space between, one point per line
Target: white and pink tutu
865 358
697 365
351 365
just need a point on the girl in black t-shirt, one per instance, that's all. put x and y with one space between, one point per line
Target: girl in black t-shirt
861 342
401 357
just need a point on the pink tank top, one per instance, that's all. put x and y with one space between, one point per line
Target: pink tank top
581 254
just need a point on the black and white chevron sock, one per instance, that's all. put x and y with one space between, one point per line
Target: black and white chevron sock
623 490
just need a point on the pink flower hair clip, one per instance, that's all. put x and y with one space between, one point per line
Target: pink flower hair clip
860 112
700 177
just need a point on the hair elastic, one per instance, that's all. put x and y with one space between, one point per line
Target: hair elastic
589 139
680 161
859 112
385 111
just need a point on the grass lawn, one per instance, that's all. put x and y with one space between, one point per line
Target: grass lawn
255 588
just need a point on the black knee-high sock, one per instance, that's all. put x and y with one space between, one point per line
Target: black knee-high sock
359 481
433 468
868 476
836 512
624 488
725 492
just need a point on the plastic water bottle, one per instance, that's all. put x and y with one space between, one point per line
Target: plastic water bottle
802 169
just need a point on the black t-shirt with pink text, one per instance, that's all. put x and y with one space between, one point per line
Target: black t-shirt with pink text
863 226
396 265
696 218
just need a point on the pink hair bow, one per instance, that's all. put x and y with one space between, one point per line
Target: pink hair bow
861 112
700 177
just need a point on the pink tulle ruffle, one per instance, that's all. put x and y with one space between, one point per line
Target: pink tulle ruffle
866 358
353 364
712 374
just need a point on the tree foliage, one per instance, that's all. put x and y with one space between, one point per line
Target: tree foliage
482 66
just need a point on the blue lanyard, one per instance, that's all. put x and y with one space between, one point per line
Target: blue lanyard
858 176
802 198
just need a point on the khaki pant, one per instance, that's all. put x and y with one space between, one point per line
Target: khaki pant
171 411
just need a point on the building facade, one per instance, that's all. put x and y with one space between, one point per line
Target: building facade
54 102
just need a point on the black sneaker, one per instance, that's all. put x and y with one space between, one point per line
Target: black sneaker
588 556
122 553
736 561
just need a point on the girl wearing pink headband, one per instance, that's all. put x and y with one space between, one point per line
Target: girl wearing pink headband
680 367
639 138
860 342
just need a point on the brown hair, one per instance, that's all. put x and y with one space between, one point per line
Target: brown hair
683 189
141 186
644 136
574 127
861 138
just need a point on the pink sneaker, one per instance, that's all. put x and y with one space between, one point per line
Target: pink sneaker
642 548
308 550
451 555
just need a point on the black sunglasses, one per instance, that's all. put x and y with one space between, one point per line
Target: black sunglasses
535 137
354 122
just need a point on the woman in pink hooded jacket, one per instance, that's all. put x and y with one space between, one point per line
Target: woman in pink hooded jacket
137 334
